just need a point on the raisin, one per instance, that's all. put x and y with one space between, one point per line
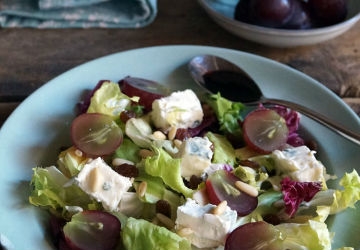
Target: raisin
127 170
163 207
250 164
127 115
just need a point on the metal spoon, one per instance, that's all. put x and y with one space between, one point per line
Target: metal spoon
211 71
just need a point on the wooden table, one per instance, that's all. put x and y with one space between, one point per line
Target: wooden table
31 57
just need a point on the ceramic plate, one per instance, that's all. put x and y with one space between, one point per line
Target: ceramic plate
222 12
36 130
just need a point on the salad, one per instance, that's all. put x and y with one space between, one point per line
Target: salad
149 169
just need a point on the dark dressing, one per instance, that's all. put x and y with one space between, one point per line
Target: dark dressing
232 85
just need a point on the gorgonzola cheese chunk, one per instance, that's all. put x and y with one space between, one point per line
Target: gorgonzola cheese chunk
182 109
208 229
102 183
300 164
196 155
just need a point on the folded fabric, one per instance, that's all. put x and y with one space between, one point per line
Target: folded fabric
55 4
77 13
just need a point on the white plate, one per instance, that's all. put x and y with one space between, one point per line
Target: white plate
39 126
222 12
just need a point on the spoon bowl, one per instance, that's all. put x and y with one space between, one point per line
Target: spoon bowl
216 75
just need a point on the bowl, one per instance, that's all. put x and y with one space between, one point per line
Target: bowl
222 12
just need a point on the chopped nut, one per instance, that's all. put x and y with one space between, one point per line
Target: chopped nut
177 143
158 135
144 153
142 188
220 208
246 188
166 221
172 133
185 231
78 153
95 180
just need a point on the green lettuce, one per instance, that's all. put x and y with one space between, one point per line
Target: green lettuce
162 165
52 189
128 150
251 176
223 150
135 235
70 162
227 112
156 190
109 100
312 235
349 195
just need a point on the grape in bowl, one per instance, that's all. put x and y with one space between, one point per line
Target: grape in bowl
298 30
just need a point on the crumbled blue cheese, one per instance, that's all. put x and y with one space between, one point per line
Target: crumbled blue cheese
300 164
207 229
182 109
196 155
102 183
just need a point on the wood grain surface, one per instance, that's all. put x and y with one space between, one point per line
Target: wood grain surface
31 57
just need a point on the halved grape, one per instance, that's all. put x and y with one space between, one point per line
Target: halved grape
254 236
265 130
92 230
96 134
147 90
221 186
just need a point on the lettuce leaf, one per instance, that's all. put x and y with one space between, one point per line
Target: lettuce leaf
156 190
349 195
109 100
128 150
168 169
312 235
135 235
53 190
223 150
70 163
228 113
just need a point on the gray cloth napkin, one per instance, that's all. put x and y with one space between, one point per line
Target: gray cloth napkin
77 13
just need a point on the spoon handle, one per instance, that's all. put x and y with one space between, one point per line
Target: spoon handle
337 128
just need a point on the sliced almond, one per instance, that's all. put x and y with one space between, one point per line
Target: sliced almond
158 135
220 208
246 188
185 231
95 180
166 221
172 133
142 188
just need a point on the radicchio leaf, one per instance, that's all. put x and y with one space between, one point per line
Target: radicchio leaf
292 119
295 192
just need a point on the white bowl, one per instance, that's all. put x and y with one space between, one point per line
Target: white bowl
222 12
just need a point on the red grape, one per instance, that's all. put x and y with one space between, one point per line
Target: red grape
265 130
92 230
242 11
254 236
147 90
291 14
96 134
221 186
328 12
271 13
300 18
